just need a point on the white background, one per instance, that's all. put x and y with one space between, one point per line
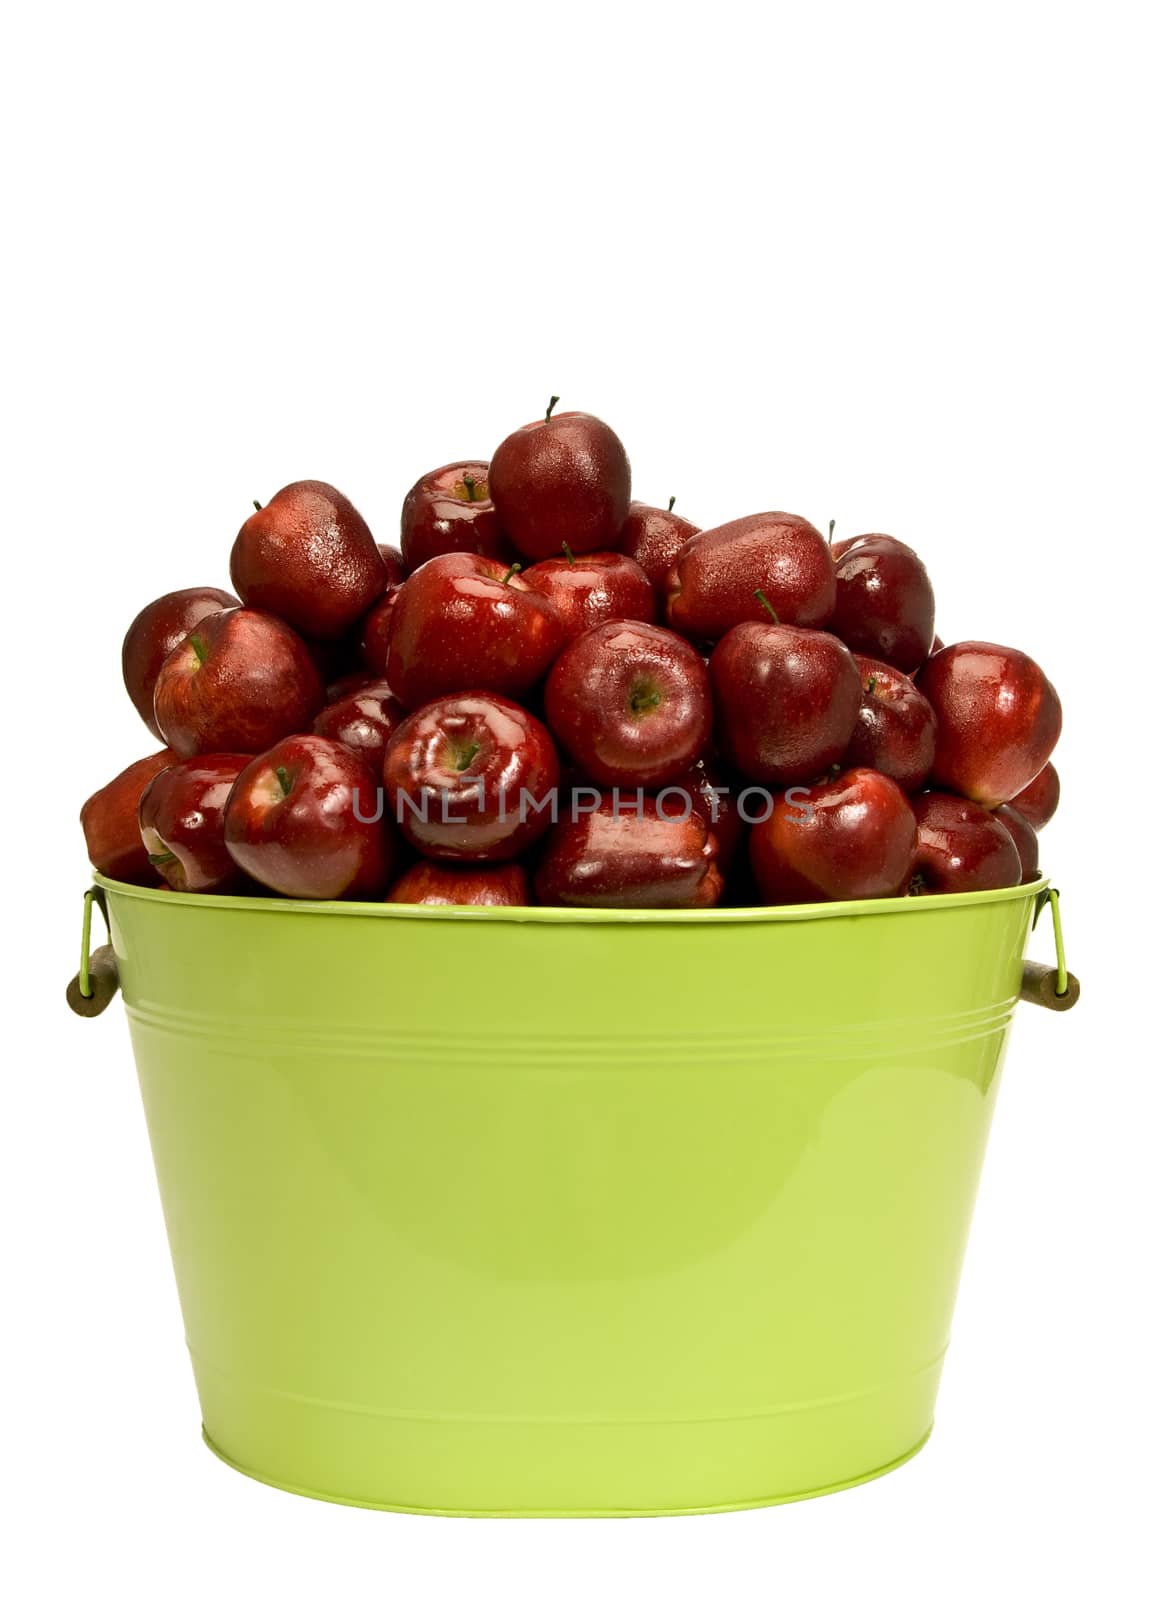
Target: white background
884 263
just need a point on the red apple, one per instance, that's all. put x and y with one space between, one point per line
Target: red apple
588 590
997 719
397 569
451 509
884 603
347 684
713 583
157 630
1023 836
654 538
630 851
363 720
851 838
182 823
428 883
714 792
471 777
630 703
112 836
305 819
896 731
239 682
464 622
564 477
1037 803
786 700
308 557
960 846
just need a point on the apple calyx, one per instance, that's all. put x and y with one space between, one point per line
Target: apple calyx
553 402
766 604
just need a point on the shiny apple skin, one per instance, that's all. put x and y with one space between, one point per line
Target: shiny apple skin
711 586
589 590
896 730
468 761
112 835
309 558
157 630
714 792
429 883
998 719
885 607
319 841
257 684
635 860
654 537
182 823
960 847
1023 836
440 517
1038 801
457 626
363 720
851 838
566 477
598 704
786 700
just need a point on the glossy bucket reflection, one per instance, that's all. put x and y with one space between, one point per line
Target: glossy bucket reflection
551 1212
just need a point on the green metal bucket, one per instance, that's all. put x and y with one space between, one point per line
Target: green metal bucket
542 1212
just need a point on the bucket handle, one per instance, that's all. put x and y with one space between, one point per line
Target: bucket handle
97 981
1055 988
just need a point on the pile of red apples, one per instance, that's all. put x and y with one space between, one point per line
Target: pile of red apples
553 694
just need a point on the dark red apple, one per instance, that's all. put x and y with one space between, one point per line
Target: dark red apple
786 700
308 557
997 719
630 703
112 835
714 792
1037 803
157 630
239 682
182 823
395 564
471 777
428 883
960 846
564 477
347 684
713 583
884 603
654 538
896 731
630 851
1023 836
451 509
363 720
588 590
306 820
851 838
464 622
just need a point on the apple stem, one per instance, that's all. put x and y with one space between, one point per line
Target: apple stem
198 645
517 567
469 485
551 406
671 503
163 859
284 780
566 550
257 506
870 686
831 529
766 604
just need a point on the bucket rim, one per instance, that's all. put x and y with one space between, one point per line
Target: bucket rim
812 911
